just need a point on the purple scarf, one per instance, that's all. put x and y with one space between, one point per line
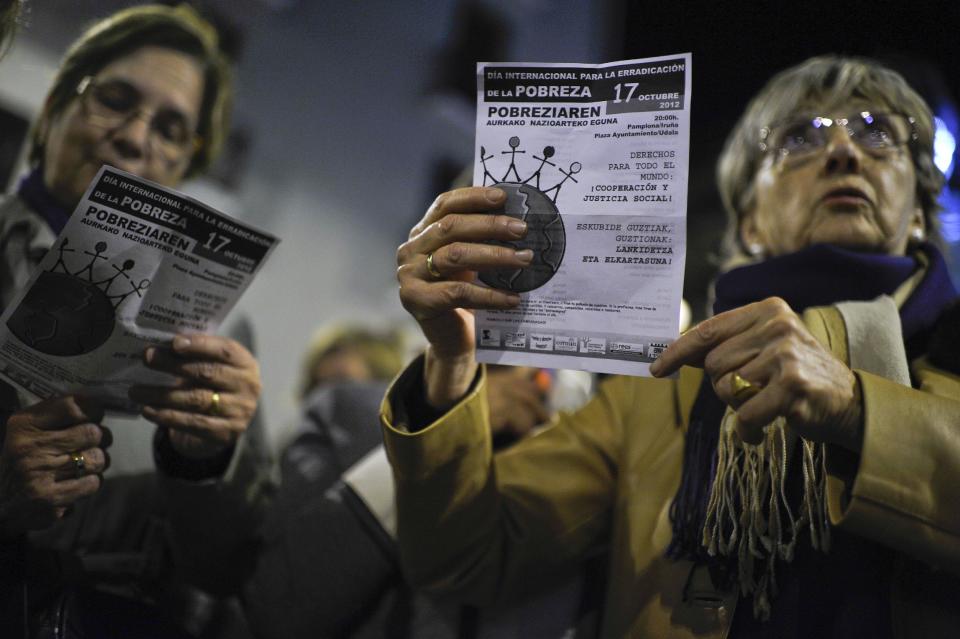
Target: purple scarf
33 191
819 275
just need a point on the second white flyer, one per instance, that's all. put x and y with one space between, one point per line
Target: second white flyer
595 159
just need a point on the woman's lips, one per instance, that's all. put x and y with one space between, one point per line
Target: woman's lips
845 197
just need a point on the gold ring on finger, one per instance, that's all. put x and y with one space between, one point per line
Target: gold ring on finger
214 404
742 389
432 268
79 464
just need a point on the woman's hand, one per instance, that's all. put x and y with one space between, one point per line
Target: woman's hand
452 231
212 399
793 375
53 454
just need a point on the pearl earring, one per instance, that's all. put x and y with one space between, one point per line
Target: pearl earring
917 236
755 249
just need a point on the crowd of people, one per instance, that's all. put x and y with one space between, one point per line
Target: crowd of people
789 470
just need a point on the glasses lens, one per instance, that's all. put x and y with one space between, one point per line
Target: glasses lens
112 101
171 128
800 136
879 130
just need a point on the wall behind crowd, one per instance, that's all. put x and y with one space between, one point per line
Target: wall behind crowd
341 129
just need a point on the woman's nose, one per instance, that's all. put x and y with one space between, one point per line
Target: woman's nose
133 136
843 153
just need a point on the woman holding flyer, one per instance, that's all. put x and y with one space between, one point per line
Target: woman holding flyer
793 469
146 90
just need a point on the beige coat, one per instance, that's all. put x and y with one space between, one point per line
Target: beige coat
483 528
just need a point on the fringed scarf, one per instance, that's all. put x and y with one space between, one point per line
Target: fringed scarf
732 506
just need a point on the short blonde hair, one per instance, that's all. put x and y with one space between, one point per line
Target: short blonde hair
383 352
824 82
178 28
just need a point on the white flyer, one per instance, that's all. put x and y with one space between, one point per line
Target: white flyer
135 264
595 159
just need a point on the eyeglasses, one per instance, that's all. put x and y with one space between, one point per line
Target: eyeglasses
879 134
114 103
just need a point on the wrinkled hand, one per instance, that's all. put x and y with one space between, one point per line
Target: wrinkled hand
517 402
768 345
453 230
39 478
203 366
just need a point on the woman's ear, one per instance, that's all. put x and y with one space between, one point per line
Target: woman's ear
750 238
917 231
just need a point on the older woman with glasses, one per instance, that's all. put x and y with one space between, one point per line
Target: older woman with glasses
793 472
146 90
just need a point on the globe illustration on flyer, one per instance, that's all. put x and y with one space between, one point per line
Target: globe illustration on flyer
72 312
536 205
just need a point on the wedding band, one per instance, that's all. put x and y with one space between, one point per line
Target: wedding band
214 404
79 464
432 268
741 388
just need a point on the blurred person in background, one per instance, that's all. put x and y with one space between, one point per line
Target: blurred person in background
793 472
345 354
148 91
328 566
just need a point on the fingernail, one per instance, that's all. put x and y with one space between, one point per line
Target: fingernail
517 227
149 354
494 195
655 367
513 299
524 255
181 342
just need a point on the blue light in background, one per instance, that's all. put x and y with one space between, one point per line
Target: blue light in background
950 216
944 145
944 156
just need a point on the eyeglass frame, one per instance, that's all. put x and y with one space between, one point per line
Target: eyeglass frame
781 156
192 144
